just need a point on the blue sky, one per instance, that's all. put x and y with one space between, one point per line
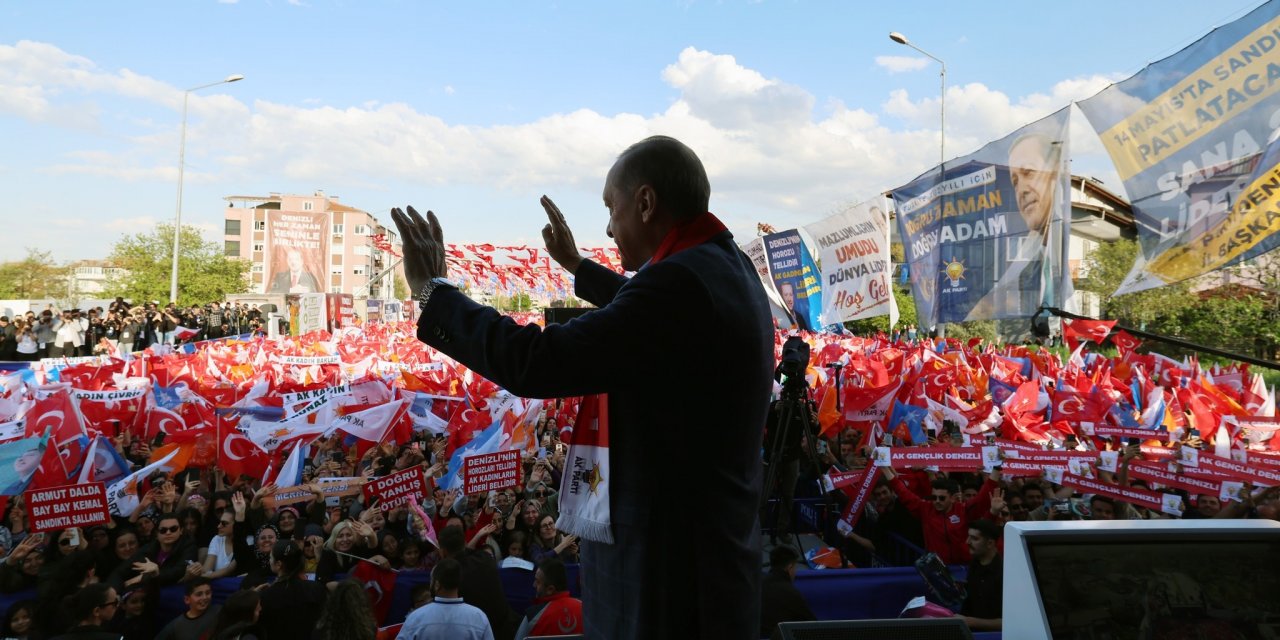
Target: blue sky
474 109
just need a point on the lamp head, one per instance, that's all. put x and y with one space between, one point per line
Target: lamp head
234 78
898 37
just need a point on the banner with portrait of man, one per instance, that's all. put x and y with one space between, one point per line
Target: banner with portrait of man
795 276
1193 137
853 255
297 252
988 239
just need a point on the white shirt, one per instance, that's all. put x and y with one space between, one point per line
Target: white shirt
218 551
72 332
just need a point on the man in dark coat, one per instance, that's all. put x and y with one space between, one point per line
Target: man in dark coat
684 350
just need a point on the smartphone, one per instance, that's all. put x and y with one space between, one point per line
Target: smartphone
822 447
74 538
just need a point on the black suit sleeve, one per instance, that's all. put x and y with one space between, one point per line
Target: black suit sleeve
594 353
596 284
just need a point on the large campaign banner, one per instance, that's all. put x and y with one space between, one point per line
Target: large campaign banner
987 238
795 277
760 260
853 254
1193 138
297 252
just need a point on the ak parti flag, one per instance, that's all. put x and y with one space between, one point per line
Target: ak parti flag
828 415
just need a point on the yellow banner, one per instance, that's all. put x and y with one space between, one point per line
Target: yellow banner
1229 84
1255 215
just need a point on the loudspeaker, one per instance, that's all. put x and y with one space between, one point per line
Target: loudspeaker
267 307
562 315
891 629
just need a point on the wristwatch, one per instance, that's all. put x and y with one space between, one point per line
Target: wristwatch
424 294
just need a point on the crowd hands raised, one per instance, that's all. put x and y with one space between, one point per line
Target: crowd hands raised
199 525
121 328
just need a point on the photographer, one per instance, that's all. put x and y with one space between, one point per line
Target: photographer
130 326
44 333
68 334
165 322
214 320
93 335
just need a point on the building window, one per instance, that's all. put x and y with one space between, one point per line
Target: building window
357 271
335 290
257 246
362 230
362 250
306 206
337 229
257 268
232 248
233 228
259 225
336 270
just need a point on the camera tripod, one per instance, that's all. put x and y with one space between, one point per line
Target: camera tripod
793 422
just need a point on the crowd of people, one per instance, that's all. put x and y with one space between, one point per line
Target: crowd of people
121 328
199 525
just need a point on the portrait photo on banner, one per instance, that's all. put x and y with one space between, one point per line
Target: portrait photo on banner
986 237
297 252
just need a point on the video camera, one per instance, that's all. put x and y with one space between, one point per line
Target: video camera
795 359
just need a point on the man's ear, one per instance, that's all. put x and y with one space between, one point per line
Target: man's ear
646 202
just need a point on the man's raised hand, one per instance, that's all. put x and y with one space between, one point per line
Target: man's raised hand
559 239
424 256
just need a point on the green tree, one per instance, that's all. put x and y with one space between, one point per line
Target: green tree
205 274
1154 310
35 276
401 287
519 302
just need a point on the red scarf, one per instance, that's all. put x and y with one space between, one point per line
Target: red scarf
686 235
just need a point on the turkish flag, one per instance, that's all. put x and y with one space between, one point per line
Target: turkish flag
1025 400
1125 342
1073 331
379 583
1075 408
91 377
238 455
463 427
938 380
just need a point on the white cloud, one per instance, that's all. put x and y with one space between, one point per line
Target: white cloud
228 1
765 145
901 64
448 90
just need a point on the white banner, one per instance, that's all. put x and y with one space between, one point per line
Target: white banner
853 252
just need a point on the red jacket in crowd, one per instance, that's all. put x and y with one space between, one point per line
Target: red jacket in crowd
946 533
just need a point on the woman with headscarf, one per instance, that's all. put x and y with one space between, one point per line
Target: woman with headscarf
257 565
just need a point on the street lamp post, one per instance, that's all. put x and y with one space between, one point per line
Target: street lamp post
942 96
182 155
942 123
